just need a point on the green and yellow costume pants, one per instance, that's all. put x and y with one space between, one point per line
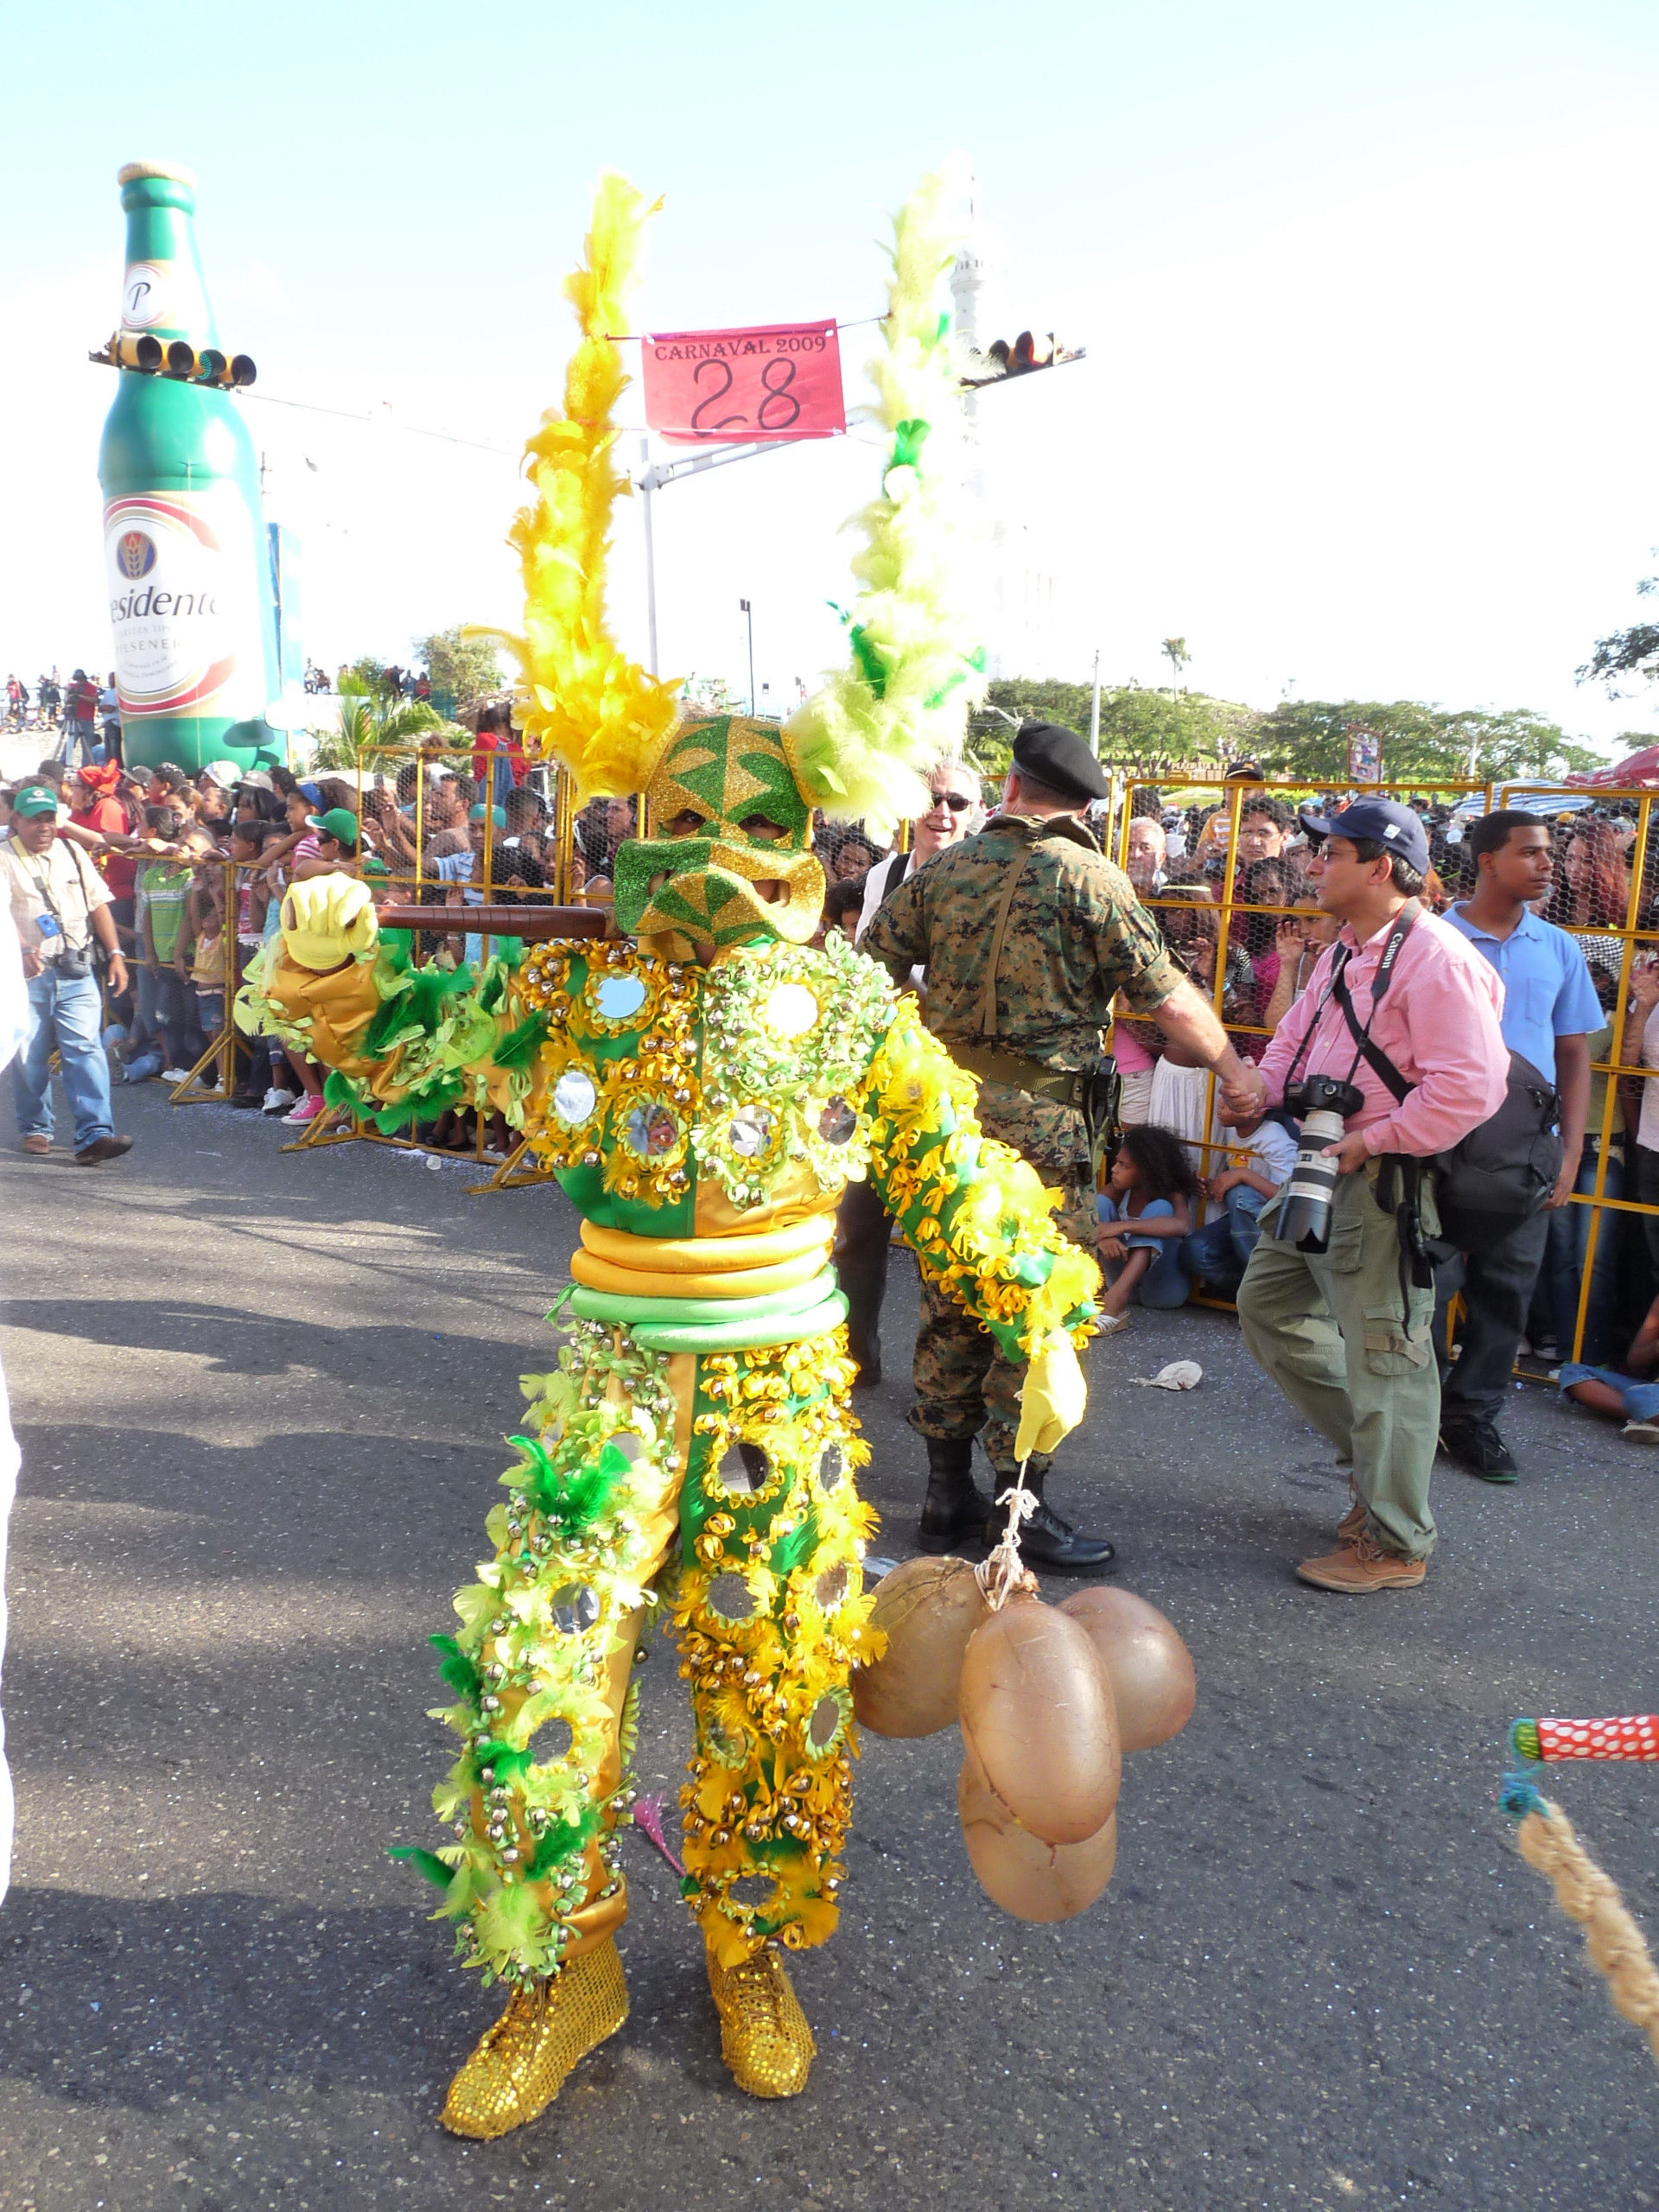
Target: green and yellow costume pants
693 1450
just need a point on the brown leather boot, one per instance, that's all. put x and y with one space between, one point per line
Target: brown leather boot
1357 1568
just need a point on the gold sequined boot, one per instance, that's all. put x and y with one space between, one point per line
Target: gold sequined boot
764 2036
519 2066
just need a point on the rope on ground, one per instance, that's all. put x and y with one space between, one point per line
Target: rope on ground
1617 1947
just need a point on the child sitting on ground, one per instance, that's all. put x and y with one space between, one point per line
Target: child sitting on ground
1620 1393
1219 1253
1144 1213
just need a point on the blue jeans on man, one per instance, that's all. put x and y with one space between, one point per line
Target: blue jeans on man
1555 1311
1219 1253
67 1011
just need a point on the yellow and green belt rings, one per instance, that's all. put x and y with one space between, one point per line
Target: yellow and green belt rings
720 1324
729 1285
741 1336
678 1255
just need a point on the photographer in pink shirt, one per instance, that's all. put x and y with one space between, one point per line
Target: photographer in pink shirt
1340 1324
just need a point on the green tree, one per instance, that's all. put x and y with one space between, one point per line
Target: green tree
466 668
1308 739
1139 729
1634 652
369 720
366 674
1174 652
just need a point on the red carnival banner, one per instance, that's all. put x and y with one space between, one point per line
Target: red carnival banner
740 386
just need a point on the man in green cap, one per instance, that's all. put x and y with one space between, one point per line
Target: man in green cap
1027 933
59 904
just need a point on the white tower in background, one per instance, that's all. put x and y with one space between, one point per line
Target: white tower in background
967 276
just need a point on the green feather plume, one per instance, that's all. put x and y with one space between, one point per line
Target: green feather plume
520 1046
861 745
564 1842
424 1862
571 1500
789 1551
457 1670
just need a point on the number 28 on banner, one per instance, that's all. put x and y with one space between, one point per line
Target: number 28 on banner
740 386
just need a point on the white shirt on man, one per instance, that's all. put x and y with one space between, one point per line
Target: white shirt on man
61 880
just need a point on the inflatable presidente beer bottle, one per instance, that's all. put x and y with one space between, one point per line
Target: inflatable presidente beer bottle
185 548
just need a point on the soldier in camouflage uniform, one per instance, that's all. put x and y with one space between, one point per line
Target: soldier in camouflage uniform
1027 933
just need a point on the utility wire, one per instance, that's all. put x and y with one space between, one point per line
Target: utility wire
448 437
415 430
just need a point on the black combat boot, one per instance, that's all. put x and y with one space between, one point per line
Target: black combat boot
1047 1544
953 1512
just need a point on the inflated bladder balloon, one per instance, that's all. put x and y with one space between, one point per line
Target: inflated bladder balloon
1037 1712
1151 1669
928 1608
1032 1879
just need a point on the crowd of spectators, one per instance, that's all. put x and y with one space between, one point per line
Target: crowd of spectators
1194 1223
1180 864
195 869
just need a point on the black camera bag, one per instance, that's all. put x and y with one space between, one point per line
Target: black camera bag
1500 1175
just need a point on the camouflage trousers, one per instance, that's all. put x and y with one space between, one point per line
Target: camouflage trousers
965 1383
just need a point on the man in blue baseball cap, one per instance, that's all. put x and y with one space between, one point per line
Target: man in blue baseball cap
1397 1032
1396 828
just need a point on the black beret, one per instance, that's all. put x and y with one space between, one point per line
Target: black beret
1060 759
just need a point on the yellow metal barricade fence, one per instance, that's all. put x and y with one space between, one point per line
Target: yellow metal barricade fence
228 1050
476 863
1233 920
520 852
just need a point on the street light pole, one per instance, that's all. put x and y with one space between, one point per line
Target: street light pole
748 615
651 479
647 485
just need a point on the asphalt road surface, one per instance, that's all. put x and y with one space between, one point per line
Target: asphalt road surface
261 1396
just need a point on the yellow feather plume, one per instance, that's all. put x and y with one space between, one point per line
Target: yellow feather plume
581 701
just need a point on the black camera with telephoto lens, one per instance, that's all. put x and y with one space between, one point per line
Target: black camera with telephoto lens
1323 1093
1322 1103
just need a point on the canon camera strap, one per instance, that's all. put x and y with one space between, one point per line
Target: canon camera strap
1400 1177
1375 1058
1373 1055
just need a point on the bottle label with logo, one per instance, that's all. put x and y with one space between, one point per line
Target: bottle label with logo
163 293
184 604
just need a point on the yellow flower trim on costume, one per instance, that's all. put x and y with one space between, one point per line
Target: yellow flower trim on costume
769 1797
977 1216
638 1103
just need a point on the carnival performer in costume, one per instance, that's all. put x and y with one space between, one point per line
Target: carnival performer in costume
703 1085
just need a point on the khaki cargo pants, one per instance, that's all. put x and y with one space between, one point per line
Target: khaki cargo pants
1330 1328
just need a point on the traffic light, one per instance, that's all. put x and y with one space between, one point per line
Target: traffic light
175 357
1001 361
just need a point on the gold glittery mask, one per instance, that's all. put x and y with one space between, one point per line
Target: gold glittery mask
754 829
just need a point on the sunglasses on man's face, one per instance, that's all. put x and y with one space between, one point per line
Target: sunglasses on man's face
958 801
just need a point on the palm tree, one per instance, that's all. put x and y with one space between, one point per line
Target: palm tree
1174 652
369 723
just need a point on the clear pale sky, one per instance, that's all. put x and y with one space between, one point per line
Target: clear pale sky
1366 294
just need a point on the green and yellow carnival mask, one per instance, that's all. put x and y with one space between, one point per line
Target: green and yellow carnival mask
733 858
